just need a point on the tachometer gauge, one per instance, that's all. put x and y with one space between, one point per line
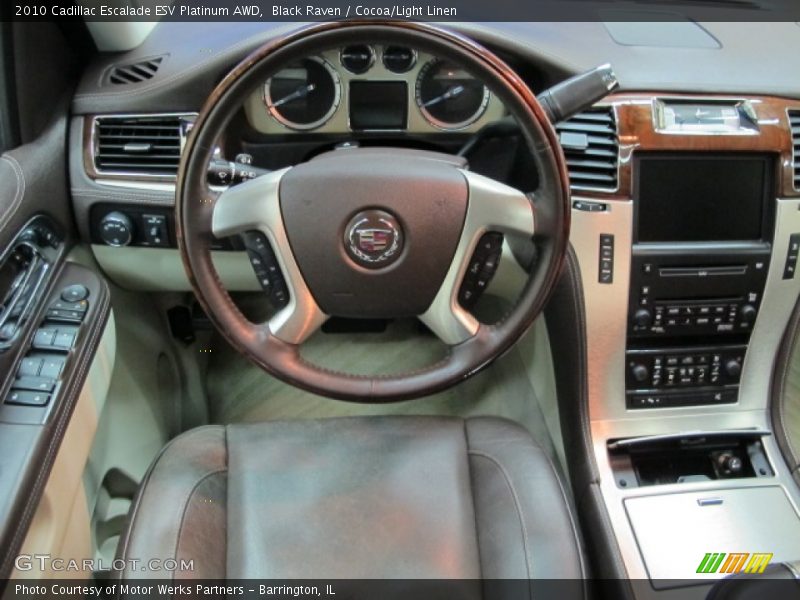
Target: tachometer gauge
303 95
448 96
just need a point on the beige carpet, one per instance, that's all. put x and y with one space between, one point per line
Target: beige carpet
241 392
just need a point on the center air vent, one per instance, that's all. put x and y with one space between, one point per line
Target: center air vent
589 141
148 146
135 72
794 123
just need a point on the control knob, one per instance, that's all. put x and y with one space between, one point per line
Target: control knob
733 368
643 318
116 229
748 313
640 372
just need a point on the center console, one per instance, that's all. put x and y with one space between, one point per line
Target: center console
687 277
701 251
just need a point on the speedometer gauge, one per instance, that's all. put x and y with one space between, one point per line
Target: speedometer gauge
304 95
448 96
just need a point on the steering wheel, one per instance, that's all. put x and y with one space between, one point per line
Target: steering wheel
372 232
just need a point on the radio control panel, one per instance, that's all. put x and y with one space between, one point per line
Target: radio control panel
691 311
696 295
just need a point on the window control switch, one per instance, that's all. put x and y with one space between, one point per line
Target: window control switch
52 366
30 366
43 340
27 398
34 384
64 339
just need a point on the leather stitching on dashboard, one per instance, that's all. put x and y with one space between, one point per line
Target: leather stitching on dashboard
20 192
517 504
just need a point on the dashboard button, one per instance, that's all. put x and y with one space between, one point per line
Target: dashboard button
155 230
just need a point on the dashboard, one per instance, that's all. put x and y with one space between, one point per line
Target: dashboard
371 88
685 217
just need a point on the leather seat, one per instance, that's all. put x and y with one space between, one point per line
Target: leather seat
370 497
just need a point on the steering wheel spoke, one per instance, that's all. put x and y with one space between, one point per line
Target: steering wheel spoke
493 207
253 209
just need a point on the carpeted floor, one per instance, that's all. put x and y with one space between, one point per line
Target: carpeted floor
241 392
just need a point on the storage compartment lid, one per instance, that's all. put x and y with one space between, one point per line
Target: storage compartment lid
675 532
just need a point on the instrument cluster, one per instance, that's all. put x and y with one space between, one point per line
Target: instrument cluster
372 88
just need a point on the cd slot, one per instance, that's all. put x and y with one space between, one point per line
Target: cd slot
699 302
715 271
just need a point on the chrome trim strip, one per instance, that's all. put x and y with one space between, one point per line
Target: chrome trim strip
150 186
255 204
776 308
437 123
493 206
694 433
606 303
337 100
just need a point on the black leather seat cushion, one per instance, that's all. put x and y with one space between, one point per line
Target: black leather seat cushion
374 497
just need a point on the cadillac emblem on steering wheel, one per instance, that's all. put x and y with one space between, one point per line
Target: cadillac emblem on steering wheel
373 238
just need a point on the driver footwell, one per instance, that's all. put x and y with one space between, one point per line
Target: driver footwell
241 392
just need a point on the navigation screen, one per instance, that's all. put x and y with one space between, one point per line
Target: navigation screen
698 198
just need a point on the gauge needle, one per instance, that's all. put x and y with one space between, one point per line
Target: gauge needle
298 93
451 93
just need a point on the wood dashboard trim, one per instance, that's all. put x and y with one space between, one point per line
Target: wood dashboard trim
637 133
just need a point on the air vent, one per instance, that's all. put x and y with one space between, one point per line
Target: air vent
589 140
794 122
139 145
135 72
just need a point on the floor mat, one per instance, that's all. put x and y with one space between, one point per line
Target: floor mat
240 392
